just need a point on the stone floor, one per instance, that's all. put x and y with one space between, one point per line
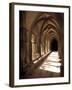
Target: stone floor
49 67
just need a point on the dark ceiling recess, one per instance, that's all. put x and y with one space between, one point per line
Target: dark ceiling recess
54 45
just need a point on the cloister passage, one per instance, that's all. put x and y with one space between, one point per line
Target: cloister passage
41 44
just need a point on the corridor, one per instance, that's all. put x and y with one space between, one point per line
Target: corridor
41 44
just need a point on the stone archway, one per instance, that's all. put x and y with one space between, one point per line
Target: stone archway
42 34
49 34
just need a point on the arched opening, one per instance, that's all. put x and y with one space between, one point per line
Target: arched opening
54 45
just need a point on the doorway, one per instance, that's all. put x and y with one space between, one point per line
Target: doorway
54 45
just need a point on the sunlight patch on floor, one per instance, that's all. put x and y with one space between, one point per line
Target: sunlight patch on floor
52 63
